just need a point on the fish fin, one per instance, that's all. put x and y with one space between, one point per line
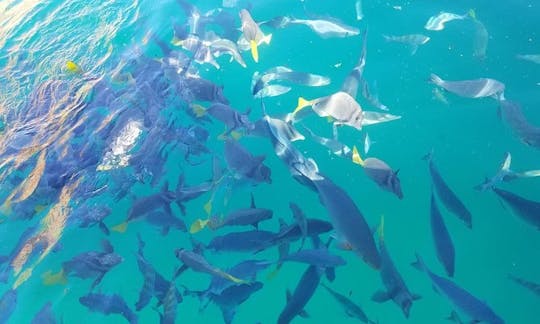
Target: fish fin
472 13
380 296
254 51
98 280
107 246
120 228
302 103
303 314
380 230
428 156
274 272
73 67
433 78
454 317
208 206
414 49
198 225
198 110
416 297
235 135
356 156
165 230
267 39
177 41
507 161
252 201
179 271
50 278
529 174
232 278
330 273
104 228
419 263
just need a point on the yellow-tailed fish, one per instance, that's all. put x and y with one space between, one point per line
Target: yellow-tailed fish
198 225
73 67
120 228
356 156
50 278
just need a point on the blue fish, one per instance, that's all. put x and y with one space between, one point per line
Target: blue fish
317 257
198 263
230 117
350 225
90 216
45 315
166 221
170 304
446 195
232 297
301 220
292 233
442 239
109 304
396 289
512 114
528 210
476 309
248 241
203 90
351 309
244 165
532 286
8 302
302 294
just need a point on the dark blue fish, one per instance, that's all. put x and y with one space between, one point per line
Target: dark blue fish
248 241
317 257
232 297
380 173
351 309
476 309
442 239
396 289
532 286
90 216
186 193
528 210
244 164
292 233
109 304
170 304
446 195
8 302
198 263
301 220
513 115
165 221
203 90
45 315
350 225
302 294
229 116
154 284
91 264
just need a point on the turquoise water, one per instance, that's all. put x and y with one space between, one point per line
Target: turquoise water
51 112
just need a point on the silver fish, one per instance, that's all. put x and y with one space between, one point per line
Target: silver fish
477 88
535 58
437 22
326 28
413 40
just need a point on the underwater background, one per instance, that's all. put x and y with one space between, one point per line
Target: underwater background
105 39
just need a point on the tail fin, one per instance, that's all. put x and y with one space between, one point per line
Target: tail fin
73 67
198 110
356 156
419 263
302 103
58 278
472 14
198 225
254 50
267 39
433 78
507 161
120 228
429 156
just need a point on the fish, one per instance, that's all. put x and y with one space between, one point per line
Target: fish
512 114
296 301
351 309
229 116
535 58
300 219
355 77
170 304
317 257
477 88
532 286
145 205
437 22
367 143
476 309
244 165
198 263
247 241
232 297
446 195
45 315
335 146
199 89
90 216
340 106
396 289
108 304
91 264
412 40
260 81
443 242
8 303
505 174
220 46
292 233
348 222
379 172
480 39
371 95
251 216
325 28
253 34
527 210
374 117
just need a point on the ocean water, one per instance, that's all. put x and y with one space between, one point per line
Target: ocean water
59 126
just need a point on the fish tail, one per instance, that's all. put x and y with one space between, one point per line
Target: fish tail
73 67
198 110
472 14
274 272
208 206
235 135
429 156
177 41
120 228
433 78
58 278
254 51
302 103
419 263
356 156
267 39
232 278
198 225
